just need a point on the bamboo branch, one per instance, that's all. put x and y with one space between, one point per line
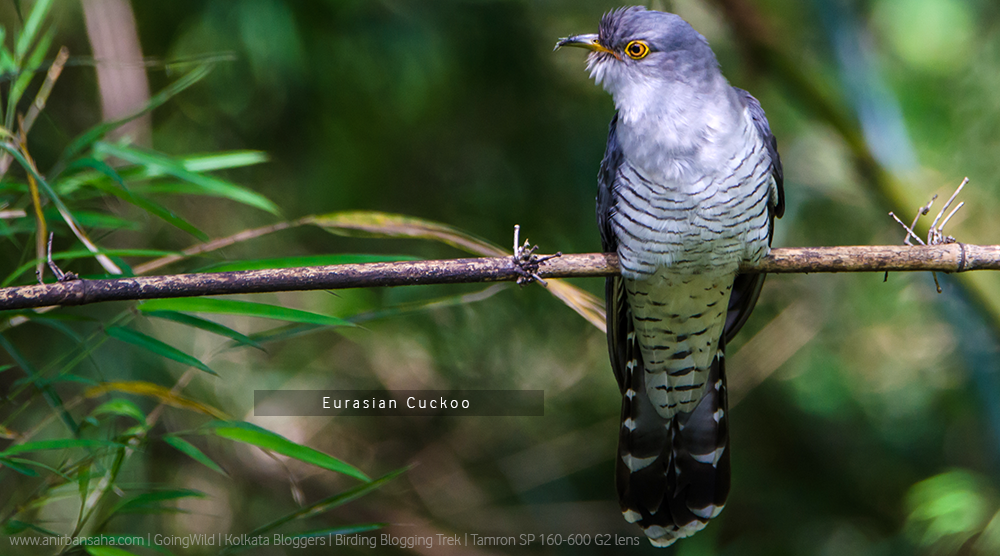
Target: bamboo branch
951 257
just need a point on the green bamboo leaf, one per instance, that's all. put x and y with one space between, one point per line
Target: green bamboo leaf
70 183
161 393
120 406
236 307
102 221
223 160
329 503
43 184
204 324
160 165
193 452
247 433
152 208
13 527
58 444
71 180
153 501
7 64
34 22
28 70
17 466
156 346
285 332
157 100
306 260
381 224
33 463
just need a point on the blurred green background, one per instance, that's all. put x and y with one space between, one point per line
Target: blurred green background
866 412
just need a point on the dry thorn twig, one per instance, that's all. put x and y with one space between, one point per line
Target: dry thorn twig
935 235
59 274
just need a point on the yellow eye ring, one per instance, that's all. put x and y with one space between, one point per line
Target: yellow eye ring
637 50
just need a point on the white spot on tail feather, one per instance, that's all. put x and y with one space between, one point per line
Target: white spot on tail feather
712 457
708 512
629 424
657 532
690 529
632 516
660 537
630 393
635 464
718 415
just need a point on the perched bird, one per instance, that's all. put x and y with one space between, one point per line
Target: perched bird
688 189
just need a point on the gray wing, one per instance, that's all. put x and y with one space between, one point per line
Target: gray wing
619 317
746 288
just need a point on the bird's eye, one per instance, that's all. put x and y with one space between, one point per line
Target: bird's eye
637 50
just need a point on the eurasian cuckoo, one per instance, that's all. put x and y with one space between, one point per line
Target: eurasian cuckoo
688 189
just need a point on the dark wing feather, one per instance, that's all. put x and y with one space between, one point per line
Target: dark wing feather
764 129
746 288
619 321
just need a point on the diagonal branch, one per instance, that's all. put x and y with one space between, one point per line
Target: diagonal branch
952 257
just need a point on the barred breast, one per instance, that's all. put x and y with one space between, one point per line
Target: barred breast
705 215
680 243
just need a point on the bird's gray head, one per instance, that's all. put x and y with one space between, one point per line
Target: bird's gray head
639 55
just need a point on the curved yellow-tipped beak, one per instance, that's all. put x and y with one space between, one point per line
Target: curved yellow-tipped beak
590 42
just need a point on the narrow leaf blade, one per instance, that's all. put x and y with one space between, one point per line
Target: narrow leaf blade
244 308
57 444
155 346
204 324
251 434
161 393
193 452
159 164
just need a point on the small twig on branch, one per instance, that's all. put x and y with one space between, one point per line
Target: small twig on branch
935 235
950 257
59 274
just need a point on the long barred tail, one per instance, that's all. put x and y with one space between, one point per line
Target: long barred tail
672 474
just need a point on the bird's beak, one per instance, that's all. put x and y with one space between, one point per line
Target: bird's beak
590 42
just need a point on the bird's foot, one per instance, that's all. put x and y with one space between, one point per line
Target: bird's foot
935 235
526 261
